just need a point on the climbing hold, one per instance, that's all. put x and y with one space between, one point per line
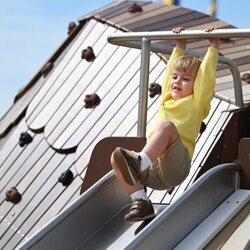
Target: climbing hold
47 68
13 195
66 177
25 139
203 127
135 8
91 101
246 77
71 27
88 54
154 89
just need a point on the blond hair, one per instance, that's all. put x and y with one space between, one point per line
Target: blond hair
187 64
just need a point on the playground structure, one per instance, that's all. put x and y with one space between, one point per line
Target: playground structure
52 139
199 209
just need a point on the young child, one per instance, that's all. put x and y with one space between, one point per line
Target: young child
164 162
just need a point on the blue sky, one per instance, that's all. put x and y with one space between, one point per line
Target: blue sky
31 30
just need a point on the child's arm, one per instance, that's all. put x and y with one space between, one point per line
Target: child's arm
205 78
177 52
180 43
214 42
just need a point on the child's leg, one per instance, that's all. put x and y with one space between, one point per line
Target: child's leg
129 188
124 162
128 167
141 208
164 135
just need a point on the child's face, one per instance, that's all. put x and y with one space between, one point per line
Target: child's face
182 84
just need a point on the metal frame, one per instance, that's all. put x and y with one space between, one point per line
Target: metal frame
142 40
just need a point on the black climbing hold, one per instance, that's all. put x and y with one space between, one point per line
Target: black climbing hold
25 139
71 27
88 54
135 8
13 195
66 178
154 89
47 68
91 101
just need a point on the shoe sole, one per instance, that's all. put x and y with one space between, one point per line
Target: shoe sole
134 220
121 163
142 225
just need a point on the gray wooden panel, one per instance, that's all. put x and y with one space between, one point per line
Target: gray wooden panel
17 169
216 23
26 198
108 9
70 84
25 172
187 19
10 142
70 108
122 8
239 54
223 86
62 73
238 47
18 108
68 196
6 138
151 22
229 93
128 128
105 70
55 193
55 78
41 185
53 81
154 9
116 9
87 116
224 79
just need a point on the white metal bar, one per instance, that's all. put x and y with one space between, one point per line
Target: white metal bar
188 34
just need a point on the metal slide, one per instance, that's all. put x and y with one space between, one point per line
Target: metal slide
95 219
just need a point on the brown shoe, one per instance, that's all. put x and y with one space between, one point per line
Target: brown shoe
140 210
129 164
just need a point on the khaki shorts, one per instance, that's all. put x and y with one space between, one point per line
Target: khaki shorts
170 169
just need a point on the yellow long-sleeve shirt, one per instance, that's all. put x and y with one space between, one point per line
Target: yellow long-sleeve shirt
187 113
